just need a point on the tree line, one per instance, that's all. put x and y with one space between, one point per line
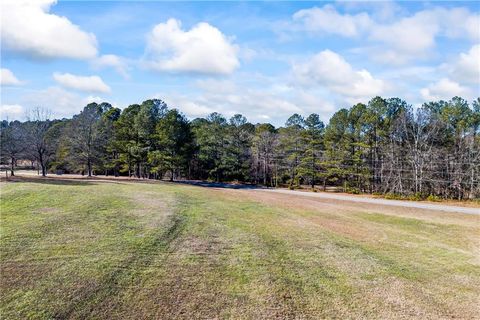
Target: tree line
385 146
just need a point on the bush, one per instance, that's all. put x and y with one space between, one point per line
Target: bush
416 197
433 198
353 190
393 196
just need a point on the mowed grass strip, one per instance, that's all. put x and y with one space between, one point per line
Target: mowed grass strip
125 250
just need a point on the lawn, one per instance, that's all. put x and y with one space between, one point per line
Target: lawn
137 250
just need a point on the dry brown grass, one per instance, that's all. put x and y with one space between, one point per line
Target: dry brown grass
100 250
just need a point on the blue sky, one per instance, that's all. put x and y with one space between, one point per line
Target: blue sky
266 60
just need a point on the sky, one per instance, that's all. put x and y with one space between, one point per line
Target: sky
265 60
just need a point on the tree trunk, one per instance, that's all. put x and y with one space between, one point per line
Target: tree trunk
276 175
42 164
313 174
89 167
265 171
12 168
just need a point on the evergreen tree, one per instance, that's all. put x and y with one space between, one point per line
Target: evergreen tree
292 147
210 137
385 146
311 162
264 150
236 156
174 145
85 137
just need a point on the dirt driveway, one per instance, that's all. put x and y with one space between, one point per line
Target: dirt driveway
376 201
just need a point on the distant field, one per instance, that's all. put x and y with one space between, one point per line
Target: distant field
133 250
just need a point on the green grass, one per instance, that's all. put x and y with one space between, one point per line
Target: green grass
125 250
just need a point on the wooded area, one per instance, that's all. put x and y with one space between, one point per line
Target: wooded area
385 146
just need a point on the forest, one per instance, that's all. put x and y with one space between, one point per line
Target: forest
386 146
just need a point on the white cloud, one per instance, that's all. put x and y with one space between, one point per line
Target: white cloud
330 70
410 37
254 104
467 68
61 102
202 49
82 83
188 105
29 28
119 64
327 19
314 102
379 10
96 99
444 89
458 23
406 38
258 103
7 78
415 36
11 111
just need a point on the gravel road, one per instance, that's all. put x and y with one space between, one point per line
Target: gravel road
397 203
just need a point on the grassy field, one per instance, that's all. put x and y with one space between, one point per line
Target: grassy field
126 250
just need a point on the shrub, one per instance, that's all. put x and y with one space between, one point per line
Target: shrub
393 196
416 197
434 198
353 190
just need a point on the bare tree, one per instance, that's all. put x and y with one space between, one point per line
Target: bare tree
264 144
86 140
12 143
420 130
36 127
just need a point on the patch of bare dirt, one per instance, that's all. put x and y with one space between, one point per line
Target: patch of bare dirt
152 209
345 208
47 210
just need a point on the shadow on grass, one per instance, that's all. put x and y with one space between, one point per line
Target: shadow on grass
207 184
49 180
86 181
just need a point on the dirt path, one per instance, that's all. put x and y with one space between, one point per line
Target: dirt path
317 195
385 202
344 197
